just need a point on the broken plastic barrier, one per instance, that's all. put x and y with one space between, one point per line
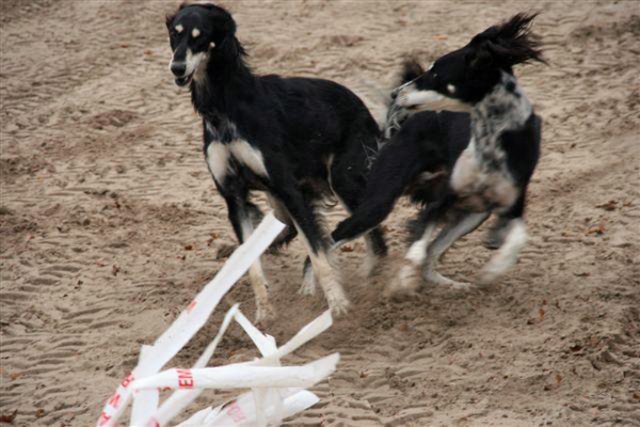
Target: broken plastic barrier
270 404
194 316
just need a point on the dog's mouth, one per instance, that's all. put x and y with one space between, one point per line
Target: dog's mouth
183 81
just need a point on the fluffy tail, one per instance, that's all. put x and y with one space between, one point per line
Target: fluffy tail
411 70
396 116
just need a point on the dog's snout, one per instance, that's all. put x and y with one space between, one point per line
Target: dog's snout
178 68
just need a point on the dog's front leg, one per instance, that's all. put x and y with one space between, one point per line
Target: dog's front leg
242 214
514 241
409 278
514 238
303 217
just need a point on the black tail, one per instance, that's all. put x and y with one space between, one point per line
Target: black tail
411 70
394 169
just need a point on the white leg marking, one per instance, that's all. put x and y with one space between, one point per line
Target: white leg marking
508 253
247 154
447 237
218 160
264 310
372 260
409 276
328 277
308 282
330 283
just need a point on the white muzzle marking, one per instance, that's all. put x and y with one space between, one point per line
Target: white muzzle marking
192 62
411 97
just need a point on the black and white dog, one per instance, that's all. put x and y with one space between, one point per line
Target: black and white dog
465 163
298 139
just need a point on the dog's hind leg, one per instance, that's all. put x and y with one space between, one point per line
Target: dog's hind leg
409 278
466 223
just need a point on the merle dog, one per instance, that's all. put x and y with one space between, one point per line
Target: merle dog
297 139
465 163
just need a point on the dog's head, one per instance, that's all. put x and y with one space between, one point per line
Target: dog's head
195 30
459 79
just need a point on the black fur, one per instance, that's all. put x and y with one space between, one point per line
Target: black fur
479 77
428 142
313 135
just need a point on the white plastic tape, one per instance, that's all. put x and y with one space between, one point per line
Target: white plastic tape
194 316
180 399
242 376
304 335
145 402
266 345
263 397
241 412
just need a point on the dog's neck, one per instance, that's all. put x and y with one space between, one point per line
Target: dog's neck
221 82
504 108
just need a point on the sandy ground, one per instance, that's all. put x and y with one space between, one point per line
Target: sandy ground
109 222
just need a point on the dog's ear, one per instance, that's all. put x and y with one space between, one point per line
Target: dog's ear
512 42
169 19
480 57
220 18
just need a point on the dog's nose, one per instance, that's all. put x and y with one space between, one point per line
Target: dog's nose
178 68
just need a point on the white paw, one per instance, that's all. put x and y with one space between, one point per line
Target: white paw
494 269
407 283
490 274
436 278
264 313
370 264
309 283
338 303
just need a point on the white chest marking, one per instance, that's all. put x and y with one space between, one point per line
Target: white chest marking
478 185
218 155
218 161
244 153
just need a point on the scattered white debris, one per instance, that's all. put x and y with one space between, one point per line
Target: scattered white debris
276 392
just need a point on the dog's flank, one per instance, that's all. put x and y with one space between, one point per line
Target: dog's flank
298 139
